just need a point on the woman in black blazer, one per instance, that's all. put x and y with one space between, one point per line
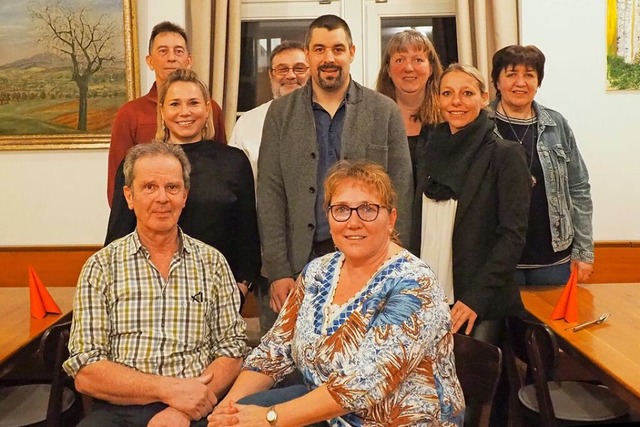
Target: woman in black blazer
471 207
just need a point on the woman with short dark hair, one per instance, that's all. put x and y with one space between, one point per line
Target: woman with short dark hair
560 233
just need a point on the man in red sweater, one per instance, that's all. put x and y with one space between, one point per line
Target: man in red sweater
136 121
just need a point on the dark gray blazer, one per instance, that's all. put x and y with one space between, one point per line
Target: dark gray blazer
287 169
490 227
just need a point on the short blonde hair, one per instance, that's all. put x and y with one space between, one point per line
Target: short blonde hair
369 173
156 148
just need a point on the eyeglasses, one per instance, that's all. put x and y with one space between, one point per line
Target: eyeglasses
283 71
367 212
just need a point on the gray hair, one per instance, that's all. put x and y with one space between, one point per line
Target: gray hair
284 46
156 148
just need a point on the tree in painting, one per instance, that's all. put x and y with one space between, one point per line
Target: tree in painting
623 44
87 40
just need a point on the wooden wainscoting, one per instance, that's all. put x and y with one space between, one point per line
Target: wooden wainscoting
55 265
60 266
616 262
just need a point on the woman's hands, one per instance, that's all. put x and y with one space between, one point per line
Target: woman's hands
461 313
584 269
232 414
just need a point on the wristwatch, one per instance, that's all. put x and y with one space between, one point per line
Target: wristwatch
272 417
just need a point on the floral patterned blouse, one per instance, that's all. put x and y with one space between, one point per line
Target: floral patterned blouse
386 355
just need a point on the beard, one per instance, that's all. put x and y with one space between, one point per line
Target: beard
283 90
333 83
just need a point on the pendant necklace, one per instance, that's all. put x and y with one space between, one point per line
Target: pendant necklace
534 181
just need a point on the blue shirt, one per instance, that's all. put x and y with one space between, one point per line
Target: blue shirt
328 137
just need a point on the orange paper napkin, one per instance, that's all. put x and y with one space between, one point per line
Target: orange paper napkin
567 306
40 299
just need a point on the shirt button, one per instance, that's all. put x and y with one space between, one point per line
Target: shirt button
311 226
313 155
312 190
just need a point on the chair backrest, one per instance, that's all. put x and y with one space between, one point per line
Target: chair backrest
517 328
535 345
478 366
53 352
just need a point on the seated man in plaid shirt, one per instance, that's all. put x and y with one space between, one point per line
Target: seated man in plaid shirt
156 336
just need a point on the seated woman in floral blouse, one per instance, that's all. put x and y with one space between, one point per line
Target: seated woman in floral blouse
367 326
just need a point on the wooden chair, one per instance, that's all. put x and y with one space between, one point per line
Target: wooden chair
537 396
478 365
43 404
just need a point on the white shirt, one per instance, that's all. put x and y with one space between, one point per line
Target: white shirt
247 135
437 240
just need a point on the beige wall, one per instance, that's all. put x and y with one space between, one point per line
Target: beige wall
59 197
572 34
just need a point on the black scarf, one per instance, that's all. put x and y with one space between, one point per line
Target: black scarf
449 156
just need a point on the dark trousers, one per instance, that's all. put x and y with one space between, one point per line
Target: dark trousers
267 315
551 275
105 414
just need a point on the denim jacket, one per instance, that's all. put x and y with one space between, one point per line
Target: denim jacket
566 180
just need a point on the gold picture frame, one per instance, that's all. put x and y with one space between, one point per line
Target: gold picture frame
37 91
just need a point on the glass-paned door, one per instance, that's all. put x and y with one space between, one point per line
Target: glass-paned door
435 18
266 23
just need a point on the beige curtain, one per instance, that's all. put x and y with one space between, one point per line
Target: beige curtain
214 30
485 26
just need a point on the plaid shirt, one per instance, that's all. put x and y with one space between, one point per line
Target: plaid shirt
125 312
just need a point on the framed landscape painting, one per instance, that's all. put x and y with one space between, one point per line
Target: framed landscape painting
65 69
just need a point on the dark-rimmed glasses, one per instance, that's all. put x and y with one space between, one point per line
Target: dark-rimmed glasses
283 71
367 212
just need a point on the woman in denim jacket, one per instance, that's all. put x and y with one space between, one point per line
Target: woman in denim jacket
560 235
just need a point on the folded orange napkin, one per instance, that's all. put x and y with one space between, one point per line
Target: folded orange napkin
40 299
567 306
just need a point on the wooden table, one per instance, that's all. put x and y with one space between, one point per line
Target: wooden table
19 332
612 348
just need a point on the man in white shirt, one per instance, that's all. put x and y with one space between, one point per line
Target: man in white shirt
289 71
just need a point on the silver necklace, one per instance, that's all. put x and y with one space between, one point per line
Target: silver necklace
534 181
